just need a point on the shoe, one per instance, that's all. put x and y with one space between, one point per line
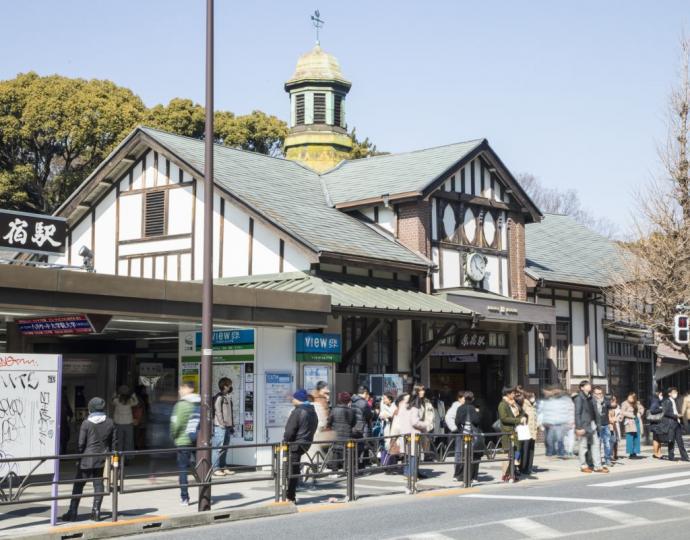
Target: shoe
422 476
184 502
219 472
68 516
95 515
585 470
601 470
229 472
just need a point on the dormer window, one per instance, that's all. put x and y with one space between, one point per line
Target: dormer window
319 108
299 109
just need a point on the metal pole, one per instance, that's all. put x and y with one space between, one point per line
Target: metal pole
204 442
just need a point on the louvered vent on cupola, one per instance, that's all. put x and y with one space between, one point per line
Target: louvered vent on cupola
299 109
155 214
319 108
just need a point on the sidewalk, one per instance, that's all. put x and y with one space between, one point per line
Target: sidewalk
259 495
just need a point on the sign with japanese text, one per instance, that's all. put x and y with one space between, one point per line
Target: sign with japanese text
472 340
229 340
34 233
60 325
313 347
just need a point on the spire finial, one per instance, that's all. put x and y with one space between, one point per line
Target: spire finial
318 24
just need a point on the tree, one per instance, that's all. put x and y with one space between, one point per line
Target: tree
362 149
60 128
658 259
555 201
258 132
181 116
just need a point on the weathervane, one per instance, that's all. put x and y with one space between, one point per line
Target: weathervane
318 24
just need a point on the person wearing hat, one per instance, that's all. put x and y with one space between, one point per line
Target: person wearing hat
97 435
123 402
300 428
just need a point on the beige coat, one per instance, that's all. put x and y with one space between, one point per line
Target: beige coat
628 414
685 407
531 412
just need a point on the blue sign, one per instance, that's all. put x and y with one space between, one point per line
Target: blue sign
55 326
313 347
231 339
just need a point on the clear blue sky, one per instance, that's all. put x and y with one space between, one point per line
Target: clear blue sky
574 92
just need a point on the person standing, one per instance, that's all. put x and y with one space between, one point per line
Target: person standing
586 430
341 420
123 402
685 411
510 416
386 415
632 411
223 426
364 416
300 428
428 417
97 435
408 421
657 425
467 422
451 415
603 431
529 407
183 425
615 425
675 433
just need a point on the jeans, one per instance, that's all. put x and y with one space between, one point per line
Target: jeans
554 440
632 443
184 459
125 437
458 457
96 475
605 437
589 441
221 437
412 466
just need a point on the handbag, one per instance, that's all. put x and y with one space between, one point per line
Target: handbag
523 432
497 427
656 417
394 447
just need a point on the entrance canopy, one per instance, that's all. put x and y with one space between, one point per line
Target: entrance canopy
496 308
669 361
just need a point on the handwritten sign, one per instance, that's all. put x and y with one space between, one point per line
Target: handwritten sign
29 410
35 233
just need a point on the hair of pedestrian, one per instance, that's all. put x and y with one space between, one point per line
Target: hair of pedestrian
321 385
188 384
597 389
584 383
671 389
528 395
461 394
469 397
224 382
389 396
401 398
417 388
508 390
362 390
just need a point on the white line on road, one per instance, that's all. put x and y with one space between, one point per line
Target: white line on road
548 499
671 502
531 528
665 485
641 479
618 516
428 536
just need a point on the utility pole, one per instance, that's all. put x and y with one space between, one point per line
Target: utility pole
204 442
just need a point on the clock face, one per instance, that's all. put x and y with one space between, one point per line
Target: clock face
476 267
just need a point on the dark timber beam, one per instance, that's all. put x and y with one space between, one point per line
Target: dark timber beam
368 334
428 346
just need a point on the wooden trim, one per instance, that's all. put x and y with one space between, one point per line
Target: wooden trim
165 267
154 254
154 239
376 214
481 175
500 275
440 267
474 199
473 191
157 188
167 171
367 335
462 180
155 168
193 226
166 212
251 246
93 235
180 175
69 247
465 247
281 263
143 168
221 236
588 356
570 334
153 266
398 197
129 267
553 298
117 229
131 177
179 266
452 183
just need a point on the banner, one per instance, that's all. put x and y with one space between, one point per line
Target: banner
314 347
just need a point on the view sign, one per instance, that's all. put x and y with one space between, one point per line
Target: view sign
34 233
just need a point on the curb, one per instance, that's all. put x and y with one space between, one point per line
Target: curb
147 524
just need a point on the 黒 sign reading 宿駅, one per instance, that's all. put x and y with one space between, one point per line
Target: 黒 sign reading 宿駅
29 409
34 233
313 347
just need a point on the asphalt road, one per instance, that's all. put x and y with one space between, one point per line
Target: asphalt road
640 505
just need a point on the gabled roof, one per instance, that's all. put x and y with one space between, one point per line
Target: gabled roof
561 250
356 295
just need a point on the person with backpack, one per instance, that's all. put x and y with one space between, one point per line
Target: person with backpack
223 426
184 427
300 428
467 422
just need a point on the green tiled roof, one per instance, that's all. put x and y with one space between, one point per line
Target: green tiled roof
359 179
292 197
560 249
356 295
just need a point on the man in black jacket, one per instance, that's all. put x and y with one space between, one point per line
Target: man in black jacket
586 424
675 432
97 435
300 428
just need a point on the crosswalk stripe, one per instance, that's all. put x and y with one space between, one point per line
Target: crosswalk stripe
641 479
545 499
531 528
618 516
671 502
665 485
429 536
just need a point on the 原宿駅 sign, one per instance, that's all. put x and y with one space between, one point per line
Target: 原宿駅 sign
313 347
34 233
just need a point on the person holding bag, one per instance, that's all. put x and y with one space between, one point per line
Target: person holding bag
528 437
510 416
467 420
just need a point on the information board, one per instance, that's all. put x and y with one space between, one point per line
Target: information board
279 390
29 410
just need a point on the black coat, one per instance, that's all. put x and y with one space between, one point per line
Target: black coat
342 419
301 424
96 439
363 415
585 413
467 412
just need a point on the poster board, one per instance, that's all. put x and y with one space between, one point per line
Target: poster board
279 389
313 373
29 410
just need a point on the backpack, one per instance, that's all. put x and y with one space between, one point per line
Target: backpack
192 429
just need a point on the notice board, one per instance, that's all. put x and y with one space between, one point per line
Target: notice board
29 410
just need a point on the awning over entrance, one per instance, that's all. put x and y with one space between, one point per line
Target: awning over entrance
365 296
49 290
497 308
669 361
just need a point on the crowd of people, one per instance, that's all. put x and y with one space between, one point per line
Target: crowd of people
590 425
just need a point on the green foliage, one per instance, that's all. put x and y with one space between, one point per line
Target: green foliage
181 116
15 186
362 149
257 132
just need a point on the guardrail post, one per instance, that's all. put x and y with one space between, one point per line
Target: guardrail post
350 468
511 456
467 458
276 471
285 469
114 484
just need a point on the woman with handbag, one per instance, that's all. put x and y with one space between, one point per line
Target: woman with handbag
510 416
527 445
655 415
632 411
467 420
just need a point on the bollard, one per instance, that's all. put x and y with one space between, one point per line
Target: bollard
467 458
114 486
285 470
350 468
511 456
276 471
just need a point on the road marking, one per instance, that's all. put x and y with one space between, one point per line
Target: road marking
665 485
671 502
428 536
531 528
620 517
641 479
548 499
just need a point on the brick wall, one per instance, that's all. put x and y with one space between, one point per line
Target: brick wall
516 240
414 226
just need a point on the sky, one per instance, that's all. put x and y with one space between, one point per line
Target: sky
574 92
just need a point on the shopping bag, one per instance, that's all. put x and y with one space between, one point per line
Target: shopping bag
523 433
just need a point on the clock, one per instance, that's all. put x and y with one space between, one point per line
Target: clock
476 267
